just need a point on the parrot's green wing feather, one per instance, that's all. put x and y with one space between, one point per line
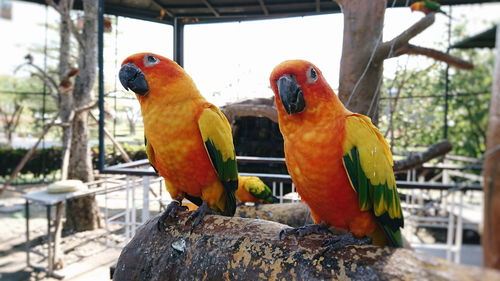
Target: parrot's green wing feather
368 162
433 6
260 190
216 133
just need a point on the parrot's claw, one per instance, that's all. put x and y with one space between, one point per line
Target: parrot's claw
338 242
170 214
198 215
321 228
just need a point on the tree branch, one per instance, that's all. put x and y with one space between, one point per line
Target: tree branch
435 54
224 248
386 49
417 159
65 13
86 107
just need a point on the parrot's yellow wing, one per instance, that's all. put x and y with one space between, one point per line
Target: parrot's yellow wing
216 133
368 163
258 189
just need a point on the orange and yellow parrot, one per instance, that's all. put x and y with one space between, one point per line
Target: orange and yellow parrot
338 160
254 190
188 140
426 7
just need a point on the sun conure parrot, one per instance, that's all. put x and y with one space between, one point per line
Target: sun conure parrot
426 7
338 160
188 140
254 190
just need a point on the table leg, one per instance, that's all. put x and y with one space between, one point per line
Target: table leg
50 266
28 242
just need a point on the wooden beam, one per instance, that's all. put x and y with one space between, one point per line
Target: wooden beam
211 8
264 8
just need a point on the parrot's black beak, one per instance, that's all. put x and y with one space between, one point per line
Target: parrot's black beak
133 78
291 94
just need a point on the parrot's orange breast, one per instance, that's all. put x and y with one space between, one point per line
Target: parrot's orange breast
314 160
180 154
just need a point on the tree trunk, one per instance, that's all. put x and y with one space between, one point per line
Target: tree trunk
361 76
491 236
83 213
223 248
65 98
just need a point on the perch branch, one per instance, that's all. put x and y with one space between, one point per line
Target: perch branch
435 54
417 159
385 50
224 248
292 214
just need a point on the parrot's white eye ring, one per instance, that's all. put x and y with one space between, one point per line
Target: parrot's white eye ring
150 60
312 75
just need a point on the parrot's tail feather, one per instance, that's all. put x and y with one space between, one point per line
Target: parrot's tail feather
395 238
273 199
229 198
230 207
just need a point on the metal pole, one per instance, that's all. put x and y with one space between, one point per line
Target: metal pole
100 61
145 198
179 41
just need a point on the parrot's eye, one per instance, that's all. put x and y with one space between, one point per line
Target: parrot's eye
312 75
150 60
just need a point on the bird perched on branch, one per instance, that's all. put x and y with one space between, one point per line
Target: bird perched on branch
188 140
253 189
338 160
426 7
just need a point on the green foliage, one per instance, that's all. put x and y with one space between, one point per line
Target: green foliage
418 119
48 161
43 161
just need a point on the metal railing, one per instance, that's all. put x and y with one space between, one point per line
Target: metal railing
418 199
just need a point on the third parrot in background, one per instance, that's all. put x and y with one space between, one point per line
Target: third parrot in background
339 161
253 189
426 7
188 140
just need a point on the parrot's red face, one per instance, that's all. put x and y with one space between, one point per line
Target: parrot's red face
145 71
296 81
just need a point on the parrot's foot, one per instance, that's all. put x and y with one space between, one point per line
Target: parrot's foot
338 242
169 214
321 228
198 214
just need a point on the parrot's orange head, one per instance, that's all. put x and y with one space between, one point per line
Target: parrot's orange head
296 83
417 6
145 71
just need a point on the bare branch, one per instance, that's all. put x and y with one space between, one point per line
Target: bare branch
65 13
417 159
435 54
28 155
386 49
89 106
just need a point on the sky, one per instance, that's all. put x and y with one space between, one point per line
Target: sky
232 61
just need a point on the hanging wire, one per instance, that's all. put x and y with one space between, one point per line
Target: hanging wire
362 76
